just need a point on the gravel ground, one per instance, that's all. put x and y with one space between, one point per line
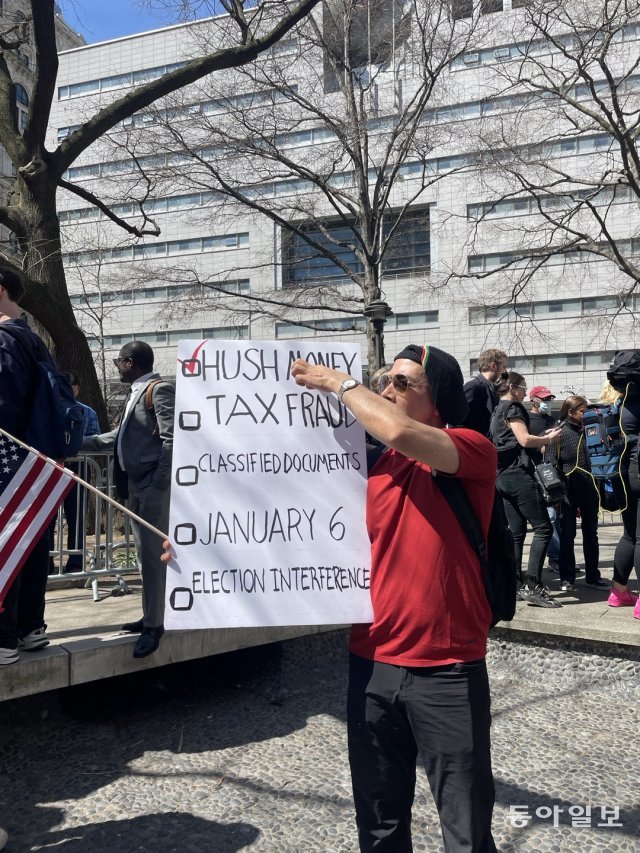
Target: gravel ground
249 753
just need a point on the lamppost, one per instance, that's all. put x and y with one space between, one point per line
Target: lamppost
377 312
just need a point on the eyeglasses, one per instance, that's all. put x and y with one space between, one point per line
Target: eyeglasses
399 381
117 361
521 387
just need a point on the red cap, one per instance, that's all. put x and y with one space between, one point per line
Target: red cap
541 391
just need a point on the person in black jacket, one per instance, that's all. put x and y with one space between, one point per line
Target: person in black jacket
516 485
480 391
582 497
541 420
22 621
626 557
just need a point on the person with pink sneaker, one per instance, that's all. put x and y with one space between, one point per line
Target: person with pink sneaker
627 553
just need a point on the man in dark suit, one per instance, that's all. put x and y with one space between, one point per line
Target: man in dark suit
143 445
480 392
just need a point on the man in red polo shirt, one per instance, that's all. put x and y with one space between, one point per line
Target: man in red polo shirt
418 680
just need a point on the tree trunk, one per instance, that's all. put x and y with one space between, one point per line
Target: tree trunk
375 338
47 298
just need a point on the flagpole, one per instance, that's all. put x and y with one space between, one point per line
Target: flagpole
84 483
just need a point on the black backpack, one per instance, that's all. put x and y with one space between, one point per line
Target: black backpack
54 422
497 556
624 370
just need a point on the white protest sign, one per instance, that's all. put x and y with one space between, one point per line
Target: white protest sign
268 491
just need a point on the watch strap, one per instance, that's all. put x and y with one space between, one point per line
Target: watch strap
347 385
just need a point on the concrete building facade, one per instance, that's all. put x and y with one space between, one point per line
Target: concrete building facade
560 320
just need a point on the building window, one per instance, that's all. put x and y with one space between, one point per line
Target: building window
551 362
304 263
407 251
104 84
333 325
488 6
413 318
369 34
461 9
152 250
22 105
544 310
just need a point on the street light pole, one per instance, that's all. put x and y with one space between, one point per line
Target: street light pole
377 312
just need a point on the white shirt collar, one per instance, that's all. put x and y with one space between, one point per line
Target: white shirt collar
142 380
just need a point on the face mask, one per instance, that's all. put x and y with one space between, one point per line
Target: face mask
543 407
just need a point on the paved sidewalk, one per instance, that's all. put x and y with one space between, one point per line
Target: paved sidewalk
87 642
194 758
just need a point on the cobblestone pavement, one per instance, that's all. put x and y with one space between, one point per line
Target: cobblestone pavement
219 756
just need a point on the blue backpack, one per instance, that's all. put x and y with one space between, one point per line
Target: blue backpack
54 423
605 443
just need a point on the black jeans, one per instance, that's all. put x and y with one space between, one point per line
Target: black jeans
627 553
581 495
442 713
523 503
24 603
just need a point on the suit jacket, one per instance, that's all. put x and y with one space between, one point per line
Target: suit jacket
482 399
146 452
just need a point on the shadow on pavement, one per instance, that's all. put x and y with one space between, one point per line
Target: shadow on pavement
182 833
64 745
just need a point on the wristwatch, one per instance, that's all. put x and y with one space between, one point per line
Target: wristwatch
347 385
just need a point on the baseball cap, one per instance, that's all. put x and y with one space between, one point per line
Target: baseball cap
541 391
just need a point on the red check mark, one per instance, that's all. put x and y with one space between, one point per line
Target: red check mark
190 361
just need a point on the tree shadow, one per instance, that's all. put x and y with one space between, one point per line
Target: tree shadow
164 833
67 744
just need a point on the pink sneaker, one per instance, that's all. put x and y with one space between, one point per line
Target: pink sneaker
623 599
636 610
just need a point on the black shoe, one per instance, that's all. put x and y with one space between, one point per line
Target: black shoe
133 627
148 642
539 597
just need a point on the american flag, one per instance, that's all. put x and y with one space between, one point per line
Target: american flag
31 490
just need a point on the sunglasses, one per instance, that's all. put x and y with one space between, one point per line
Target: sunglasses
117 361
399 381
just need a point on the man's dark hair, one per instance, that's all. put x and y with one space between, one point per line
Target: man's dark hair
140 354
488 357
12 284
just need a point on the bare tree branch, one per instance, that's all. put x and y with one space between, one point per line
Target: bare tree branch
108 212
249 48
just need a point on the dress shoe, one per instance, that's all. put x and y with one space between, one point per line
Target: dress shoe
148 642
133 627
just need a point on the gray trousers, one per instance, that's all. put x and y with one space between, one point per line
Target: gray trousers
153 506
